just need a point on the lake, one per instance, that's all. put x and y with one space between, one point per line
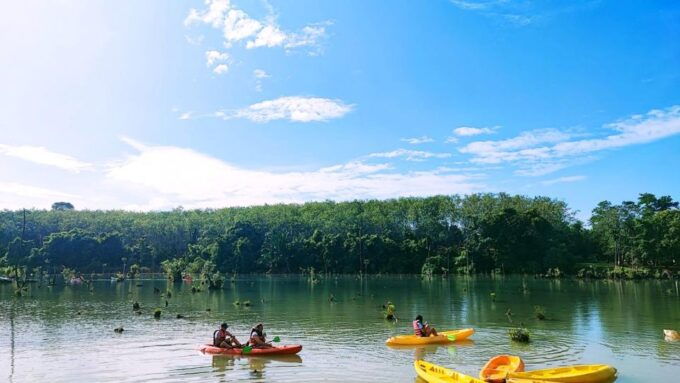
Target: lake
65 333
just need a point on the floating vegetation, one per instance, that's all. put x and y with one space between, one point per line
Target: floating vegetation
519 334
539 312
389 311
157 313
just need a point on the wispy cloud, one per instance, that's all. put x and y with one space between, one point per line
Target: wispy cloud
292 108
43 156
561 180
417 140
410 155
521 13
168 176
260 75
237 27
467 131
32 191
540 152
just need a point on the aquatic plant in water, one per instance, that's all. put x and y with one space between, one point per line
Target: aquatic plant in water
519 334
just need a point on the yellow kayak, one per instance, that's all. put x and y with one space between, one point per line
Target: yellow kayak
432 373
442 337
590 373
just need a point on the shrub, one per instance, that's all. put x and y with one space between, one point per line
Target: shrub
519 334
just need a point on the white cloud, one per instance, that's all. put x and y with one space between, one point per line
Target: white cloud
213 15
186 116
237 26
563 180
514 148
410 155
32 191
418 140
167 176
221 69
260 73
213 57
467 131
451 140
292 108
43 156
540 152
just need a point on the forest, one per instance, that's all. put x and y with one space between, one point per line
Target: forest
479 233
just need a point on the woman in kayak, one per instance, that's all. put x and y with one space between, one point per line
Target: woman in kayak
421 329
224 339
258 339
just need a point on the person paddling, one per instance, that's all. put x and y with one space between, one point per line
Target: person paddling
224 339
258 339
423 329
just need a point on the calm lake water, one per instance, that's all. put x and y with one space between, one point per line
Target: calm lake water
65 334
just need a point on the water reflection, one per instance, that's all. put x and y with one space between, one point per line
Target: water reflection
618 323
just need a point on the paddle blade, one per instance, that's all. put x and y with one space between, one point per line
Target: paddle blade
247 349
452 338
276 339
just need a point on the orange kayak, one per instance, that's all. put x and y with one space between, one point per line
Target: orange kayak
281 350
497 368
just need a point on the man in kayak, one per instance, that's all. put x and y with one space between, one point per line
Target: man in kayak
224 339
423 329
258 339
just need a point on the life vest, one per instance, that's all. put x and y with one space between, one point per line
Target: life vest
416 328
219 336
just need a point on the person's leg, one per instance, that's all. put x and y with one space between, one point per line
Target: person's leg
434 331
225 344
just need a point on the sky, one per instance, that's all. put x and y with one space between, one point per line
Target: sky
152 105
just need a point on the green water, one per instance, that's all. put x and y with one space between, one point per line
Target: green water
65 334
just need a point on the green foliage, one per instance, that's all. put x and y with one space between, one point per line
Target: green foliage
174 268
483 233
520 335
62 206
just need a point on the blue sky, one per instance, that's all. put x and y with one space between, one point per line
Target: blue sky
152 105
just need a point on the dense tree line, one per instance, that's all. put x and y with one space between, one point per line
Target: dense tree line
440 234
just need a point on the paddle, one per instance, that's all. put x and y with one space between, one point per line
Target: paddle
452 338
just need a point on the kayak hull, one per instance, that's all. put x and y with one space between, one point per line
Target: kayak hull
281 350
433 373
497 368
587 373
443 337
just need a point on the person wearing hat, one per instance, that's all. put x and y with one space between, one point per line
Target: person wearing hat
223 338
258 339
